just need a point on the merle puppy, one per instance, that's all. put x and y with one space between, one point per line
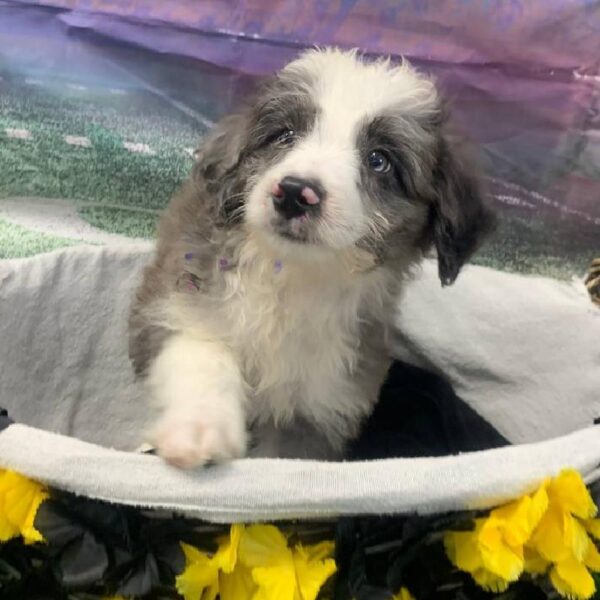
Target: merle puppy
264 312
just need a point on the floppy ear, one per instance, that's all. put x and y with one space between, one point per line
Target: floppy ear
217 161
460 216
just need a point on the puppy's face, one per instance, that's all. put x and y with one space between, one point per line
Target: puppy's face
339 153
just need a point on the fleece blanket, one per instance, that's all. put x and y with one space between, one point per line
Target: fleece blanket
521 350
101 107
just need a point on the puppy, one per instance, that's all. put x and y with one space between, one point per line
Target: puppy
262 319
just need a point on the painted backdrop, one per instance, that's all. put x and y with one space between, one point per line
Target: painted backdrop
103 101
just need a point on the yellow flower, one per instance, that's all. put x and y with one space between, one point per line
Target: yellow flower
256 563
227 553
464 550
282 573
546 531
403 594
313 568
235 580
201 576
562 539
518 519
493 553
572 580
560 534
237 585
569 492
20 499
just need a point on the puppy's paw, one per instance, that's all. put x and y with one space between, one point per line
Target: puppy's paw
187 441
199 386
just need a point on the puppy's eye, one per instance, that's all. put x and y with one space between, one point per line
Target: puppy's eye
378 162
285 138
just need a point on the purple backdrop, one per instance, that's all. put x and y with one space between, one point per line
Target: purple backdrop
523 75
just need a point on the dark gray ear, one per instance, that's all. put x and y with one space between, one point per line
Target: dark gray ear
217 160
460 216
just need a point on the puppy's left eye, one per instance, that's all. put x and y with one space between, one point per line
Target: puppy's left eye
285 138
378 162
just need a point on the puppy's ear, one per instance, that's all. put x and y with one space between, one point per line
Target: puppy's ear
220 151
217 161
460 217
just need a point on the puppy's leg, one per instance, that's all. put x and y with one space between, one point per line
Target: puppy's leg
200 388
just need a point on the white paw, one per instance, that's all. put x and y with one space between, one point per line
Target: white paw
199 386
190 442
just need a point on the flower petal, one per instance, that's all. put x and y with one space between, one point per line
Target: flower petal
237 585
506 562
264 546
311 574
592 558
534 563
20 499
18 496
196 579
319 551
192 554
568 491
199 576
498 557
403 594
572 580
463 551
7 529
577 537
513 520
212 591
549 537
521 517
593 527
30 534
226 555
275 583
538 507
490 582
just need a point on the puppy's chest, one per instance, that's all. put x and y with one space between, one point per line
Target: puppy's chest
293 334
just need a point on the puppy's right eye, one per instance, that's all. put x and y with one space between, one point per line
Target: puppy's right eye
378 162
285 138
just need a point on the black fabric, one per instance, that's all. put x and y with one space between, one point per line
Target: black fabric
419 414
5 420
93 544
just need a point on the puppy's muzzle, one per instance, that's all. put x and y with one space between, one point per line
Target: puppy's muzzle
295 197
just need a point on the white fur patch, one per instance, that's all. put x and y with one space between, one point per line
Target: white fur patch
199 386
293 327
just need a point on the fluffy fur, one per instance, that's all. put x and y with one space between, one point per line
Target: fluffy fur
254 319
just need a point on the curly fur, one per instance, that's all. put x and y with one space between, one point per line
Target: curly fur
249 321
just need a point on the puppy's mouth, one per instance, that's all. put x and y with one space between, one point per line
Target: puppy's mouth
297 229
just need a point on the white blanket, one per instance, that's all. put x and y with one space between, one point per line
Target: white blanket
250 490
523 351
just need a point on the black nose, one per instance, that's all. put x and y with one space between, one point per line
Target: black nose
294 197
